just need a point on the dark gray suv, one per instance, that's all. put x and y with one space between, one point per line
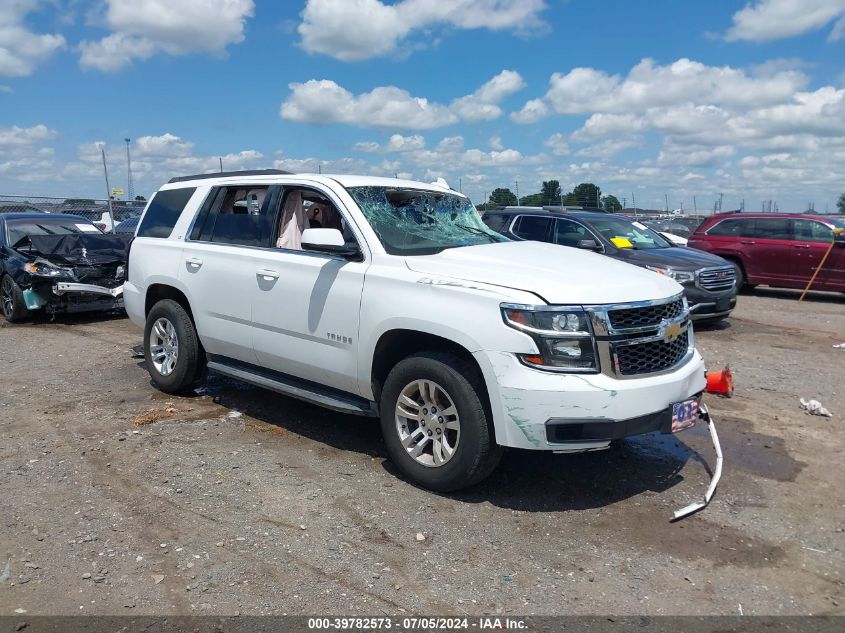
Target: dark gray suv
709 281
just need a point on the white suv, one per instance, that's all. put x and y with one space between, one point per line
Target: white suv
391 298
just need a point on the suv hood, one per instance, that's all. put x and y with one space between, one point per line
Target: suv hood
678 258
556 274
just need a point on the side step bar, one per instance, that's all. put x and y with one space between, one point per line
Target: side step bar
293 387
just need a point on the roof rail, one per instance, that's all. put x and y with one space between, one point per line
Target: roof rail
224 174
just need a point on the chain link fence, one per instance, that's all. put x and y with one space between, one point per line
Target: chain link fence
93 209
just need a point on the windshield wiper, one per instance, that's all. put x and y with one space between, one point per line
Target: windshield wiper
477 231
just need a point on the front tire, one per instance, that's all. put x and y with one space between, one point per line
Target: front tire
436 422
172 348
11 300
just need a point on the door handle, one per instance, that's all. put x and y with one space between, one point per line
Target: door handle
801 245
196 262
267 274
748 242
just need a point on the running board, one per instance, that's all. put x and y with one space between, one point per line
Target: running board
294 387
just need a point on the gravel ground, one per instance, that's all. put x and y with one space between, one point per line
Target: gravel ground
118 499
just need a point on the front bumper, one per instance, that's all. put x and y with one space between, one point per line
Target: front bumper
704 304
523 400
63 288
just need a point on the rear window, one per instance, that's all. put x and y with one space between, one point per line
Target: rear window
164 211
531 227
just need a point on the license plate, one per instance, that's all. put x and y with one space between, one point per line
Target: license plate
684 414
723 304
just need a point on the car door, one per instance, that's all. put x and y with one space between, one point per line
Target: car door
220 258
812 241
766 244
306 305
569 233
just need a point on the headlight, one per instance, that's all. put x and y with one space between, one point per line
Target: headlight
563 336
681 276
43 268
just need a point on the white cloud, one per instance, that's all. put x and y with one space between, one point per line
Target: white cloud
324 102
587 90
767 20
21 49
396 143
481 105
495 142
557 144
142 28
352 30
531 112
17 137
452 144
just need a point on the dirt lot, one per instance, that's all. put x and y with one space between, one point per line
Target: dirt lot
119 499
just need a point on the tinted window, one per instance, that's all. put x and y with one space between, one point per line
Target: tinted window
623 233
771 228
496 221
531 227
732 228
163 212
239 215
569 233
812 231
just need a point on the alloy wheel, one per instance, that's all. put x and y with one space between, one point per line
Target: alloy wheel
427 422
164 346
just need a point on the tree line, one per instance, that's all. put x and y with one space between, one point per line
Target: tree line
586 194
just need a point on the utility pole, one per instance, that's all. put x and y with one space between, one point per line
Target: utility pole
695 205
461 184
516 183
720 202
108 189
634 203
624 202
130 188
220 158
666 196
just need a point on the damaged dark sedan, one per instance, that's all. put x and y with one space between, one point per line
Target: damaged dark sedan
58 263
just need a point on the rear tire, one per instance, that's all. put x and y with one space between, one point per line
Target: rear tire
742 284
417 386
174 356
12 301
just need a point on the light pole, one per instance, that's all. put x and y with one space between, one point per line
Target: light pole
130 188
108 190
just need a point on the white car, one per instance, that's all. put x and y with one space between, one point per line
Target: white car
391 298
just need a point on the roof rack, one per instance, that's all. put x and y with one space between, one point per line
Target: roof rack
224 174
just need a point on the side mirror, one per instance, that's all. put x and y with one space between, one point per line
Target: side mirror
839 236
328 241
590 245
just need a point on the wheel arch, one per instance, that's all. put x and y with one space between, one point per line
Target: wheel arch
159 291
396 344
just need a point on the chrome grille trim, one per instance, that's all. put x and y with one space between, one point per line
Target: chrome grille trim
716 279
611 339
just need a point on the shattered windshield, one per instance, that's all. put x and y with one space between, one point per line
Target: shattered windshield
421 222
19 229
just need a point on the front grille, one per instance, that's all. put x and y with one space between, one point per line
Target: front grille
647 358
646 316
103 275
716 279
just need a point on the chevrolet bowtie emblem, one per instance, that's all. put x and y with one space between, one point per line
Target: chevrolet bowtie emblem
672 331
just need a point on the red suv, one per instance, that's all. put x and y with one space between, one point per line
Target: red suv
776 249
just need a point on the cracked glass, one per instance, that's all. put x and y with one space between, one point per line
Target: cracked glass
422 222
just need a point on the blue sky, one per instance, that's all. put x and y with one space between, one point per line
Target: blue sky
645 99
